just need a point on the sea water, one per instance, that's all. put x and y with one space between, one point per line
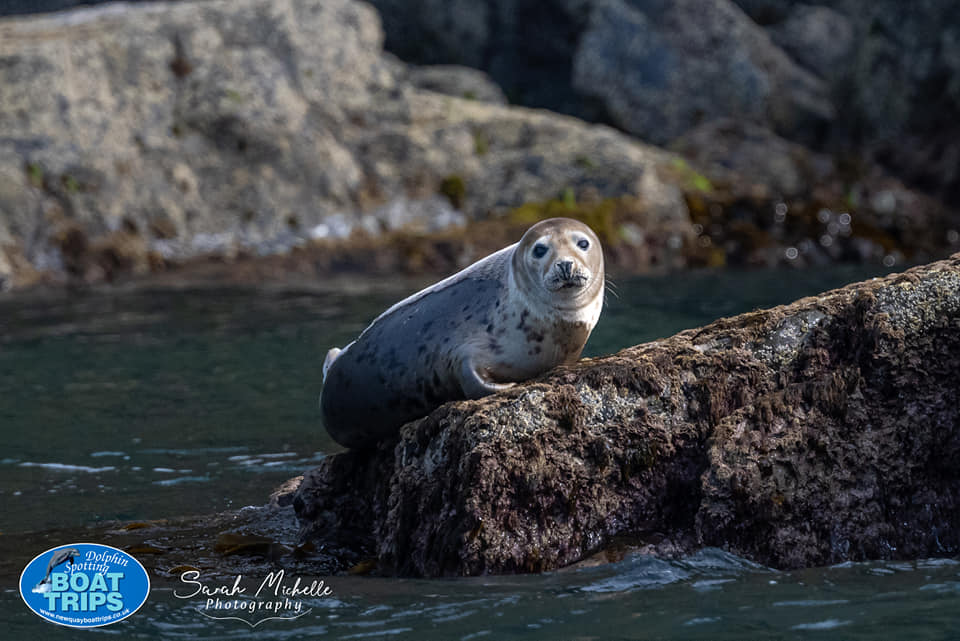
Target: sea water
150 403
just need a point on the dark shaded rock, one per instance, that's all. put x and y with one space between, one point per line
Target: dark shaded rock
431 32
652 68
663 67
765 12
525 45
817 432
899 82
818 38
905 102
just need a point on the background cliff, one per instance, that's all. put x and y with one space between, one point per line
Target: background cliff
139 137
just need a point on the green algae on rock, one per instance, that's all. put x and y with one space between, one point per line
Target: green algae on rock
812 433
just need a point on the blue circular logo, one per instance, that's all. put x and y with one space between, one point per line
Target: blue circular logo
84 585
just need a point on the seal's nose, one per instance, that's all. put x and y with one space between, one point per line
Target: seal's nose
565 267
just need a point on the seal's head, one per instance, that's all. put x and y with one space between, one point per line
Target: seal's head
559 262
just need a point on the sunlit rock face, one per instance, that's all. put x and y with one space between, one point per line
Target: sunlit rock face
135 135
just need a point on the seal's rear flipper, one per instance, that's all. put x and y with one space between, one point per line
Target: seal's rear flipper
328 361
477 385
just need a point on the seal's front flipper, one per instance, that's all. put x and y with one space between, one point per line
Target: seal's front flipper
477 385
328 361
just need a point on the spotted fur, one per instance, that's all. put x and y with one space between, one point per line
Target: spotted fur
507 318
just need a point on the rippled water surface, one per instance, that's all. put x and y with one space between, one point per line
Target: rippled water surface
710 596
148 404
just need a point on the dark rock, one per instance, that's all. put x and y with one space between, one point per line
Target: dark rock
819 38
652 68
898 82
891 68
661 68
905 89
19 7
766 12
814 433
525 45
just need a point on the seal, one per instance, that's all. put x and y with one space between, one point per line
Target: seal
508 317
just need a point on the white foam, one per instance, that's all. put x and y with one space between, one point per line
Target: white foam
64 467
182 479
829 624
809 604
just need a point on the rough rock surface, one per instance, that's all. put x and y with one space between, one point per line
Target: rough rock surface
818 432
138 134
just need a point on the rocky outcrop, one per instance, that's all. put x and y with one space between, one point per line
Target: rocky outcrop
894 68
136 135
818 432
741 153
654 69
661 68
889 70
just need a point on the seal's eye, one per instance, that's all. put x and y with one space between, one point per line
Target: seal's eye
539 250
584 244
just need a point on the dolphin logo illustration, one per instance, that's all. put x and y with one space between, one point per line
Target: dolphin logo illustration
58 558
